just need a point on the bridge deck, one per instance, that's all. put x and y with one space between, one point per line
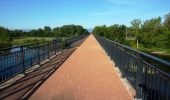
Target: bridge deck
87 74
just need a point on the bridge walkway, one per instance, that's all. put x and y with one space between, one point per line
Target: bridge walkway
88 74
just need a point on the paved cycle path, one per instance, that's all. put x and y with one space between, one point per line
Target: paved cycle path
87 74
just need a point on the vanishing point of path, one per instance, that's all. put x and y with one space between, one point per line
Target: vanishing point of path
87 74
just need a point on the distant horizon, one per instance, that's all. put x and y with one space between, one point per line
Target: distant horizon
42 27
28 30
37 28
33 14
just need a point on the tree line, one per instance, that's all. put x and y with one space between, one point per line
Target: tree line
150 33
64 31
10 38
7 36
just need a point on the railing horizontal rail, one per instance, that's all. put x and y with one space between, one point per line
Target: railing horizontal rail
142 54
3 49
148 75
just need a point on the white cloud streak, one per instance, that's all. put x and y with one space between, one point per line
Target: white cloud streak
122 2
131 2
106 13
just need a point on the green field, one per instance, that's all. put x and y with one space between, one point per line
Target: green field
24 41
29 40
158 52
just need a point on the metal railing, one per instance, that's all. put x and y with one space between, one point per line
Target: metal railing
148 75
16 60
71 41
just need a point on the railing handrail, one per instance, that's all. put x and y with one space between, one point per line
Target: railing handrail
9 48
148 75
159 60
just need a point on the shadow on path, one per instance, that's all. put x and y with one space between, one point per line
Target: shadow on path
26 86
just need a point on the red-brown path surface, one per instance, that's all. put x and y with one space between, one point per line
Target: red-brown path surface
88 74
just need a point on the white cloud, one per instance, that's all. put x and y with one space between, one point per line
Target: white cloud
106 13
122 2
138 3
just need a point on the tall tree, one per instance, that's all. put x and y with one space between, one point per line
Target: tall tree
48 31
167 21
115 32
152 29
136 24
40 32
4 34
57 32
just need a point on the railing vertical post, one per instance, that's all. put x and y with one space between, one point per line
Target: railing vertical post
16 57
57 47
139 81
116 61
123 62
48 49
23 59
39 59
31 62
66 44
54 43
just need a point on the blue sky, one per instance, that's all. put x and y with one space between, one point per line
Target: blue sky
32 14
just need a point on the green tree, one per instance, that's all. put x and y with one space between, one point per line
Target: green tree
17 33
136 24
72 30
167 21
100 30
4 34
167 40
48 31
57 32
115 32
40 33
153 33
79 30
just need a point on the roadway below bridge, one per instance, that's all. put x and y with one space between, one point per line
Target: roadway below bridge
88 74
